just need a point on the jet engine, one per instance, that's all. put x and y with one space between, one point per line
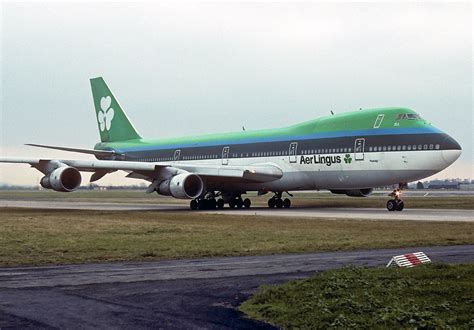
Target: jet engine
64 178
354 192
184 186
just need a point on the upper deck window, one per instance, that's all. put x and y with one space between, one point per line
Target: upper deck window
409 116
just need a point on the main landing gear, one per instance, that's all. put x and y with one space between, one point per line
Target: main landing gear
278 202
209 202
395 204
238 202
212 201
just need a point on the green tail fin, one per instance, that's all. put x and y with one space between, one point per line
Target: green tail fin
114 124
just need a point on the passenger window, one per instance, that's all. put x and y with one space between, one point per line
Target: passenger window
437 147
431 147
425 147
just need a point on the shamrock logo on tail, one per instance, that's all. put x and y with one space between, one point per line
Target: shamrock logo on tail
348 159
106 114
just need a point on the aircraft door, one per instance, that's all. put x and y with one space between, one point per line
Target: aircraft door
359 149
225 155
292 152
177 153
378 121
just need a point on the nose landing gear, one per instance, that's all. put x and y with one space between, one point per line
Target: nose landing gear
395 204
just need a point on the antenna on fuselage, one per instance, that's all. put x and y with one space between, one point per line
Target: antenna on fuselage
332 113
243 128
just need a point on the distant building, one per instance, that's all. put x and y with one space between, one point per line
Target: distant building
444 185
466 186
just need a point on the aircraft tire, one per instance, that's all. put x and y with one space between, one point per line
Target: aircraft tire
391 205
279 203
212 204
247 203
286 203
203 204
400 206
220 203
239 203
271 203
193 204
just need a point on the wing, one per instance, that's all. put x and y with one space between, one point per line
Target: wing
264 172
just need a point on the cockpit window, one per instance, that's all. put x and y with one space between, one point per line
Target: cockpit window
409 116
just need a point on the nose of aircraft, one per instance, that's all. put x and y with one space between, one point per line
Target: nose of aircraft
451 155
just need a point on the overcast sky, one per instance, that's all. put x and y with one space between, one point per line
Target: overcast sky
200 67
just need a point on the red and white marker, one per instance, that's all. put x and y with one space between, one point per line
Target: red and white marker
409 260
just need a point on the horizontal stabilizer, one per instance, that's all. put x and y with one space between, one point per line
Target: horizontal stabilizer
82 151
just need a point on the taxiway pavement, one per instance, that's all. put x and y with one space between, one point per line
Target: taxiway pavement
307 212
198 293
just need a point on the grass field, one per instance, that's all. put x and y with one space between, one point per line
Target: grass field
426 297
33 237
315 199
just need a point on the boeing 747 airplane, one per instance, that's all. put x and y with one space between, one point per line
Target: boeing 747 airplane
348 153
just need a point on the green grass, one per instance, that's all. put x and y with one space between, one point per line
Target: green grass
33 237
428 296
302 199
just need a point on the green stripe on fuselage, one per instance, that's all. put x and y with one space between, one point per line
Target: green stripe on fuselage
355 120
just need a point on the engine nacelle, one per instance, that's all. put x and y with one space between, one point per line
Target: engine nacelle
354 192
64 178
185 186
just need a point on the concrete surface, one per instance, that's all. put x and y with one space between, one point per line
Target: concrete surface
330 213
191 294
